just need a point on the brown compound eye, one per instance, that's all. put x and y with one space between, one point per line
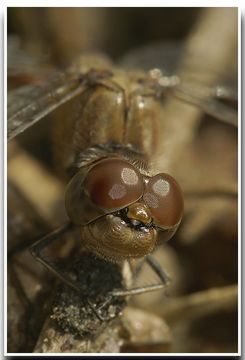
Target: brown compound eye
113 183
164 197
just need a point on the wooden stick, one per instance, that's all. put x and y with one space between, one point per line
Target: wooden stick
42 189
199 304
213 43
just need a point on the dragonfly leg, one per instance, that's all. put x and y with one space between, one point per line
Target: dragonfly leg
96 310
40 244
36 251
13 274
17 249
157 268
139 290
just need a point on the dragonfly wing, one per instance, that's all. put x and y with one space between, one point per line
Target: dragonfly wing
208 99
213 100
29 104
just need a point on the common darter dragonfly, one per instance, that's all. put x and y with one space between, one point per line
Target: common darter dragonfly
107 128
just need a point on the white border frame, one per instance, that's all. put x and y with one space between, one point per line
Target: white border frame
111 3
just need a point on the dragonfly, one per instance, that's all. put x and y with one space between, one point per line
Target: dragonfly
121 208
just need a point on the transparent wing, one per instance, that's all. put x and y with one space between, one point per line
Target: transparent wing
218 100
36 88
29 104
212 100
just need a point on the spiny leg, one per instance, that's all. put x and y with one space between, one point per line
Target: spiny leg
37 248
40 244
36 251
157 268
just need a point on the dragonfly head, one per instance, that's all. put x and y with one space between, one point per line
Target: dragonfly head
120 210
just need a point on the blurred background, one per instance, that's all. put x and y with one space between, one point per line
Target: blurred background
200 306
64 33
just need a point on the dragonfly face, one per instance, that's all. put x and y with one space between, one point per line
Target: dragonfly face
121 210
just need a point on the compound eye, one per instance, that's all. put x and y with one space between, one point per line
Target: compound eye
113 184
164 197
